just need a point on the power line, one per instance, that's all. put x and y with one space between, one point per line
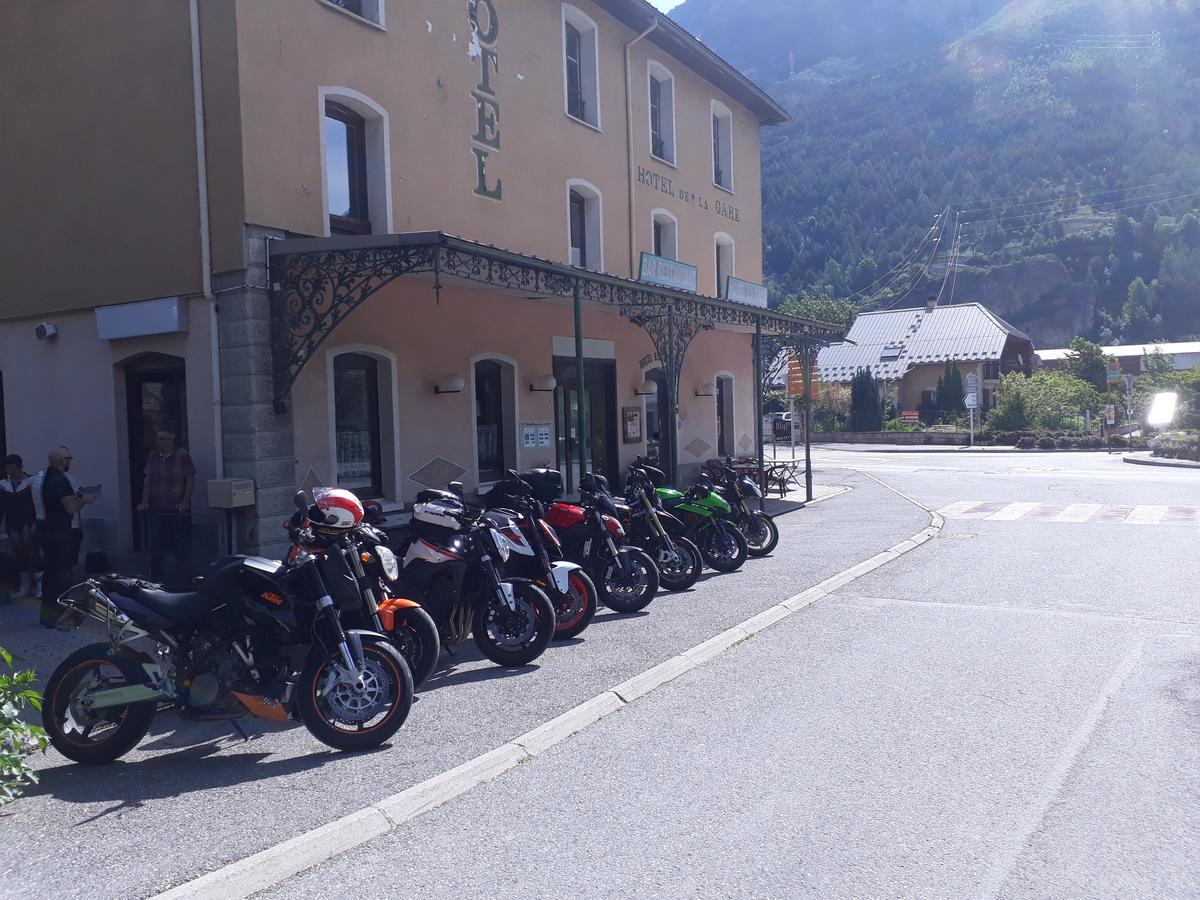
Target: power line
999 202
1125 205
925 271
895 270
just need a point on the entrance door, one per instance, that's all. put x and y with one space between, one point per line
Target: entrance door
659 420
600 411
155 398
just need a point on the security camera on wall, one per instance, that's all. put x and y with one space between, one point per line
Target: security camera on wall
45 331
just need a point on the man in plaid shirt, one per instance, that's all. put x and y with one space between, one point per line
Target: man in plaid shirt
169 480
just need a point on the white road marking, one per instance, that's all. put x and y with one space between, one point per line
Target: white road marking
957 509
1079 512
1012 512
1146 515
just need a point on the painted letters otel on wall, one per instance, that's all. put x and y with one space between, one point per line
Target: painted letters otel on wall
487 106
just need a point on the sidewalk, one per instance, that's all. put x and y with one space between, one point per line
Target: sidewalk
38 648
1145 458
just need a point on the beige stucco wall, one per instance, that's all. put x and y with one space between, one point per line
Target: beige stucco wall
925 378
520 330
420 71
71 390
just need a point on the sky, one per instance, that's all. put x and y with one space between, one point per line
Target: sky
666 5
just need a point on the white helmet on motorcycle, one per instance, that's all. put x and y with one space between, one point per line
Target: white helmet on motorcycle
339 508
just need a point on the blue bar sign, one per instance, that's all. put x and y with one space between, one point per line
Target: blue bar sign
745 292
667 273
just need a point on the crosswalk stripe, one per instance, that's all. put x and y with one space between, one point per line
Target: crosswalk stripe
957 509
1079 512
1012 512
1145 515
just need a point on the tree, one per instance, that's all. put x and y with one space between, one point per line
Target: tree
950 393
1057 400
821 307
1010 413
1158 363
1140 319
865 411
1087 362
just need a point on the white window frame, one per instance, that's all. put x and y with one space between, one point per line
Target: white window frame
721 111
664 217
373 13
379 158
721 241
512 439
664 76
586 26
389 416
594 222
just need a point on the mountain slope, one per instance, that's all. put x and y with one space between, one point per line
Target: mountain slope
1041 130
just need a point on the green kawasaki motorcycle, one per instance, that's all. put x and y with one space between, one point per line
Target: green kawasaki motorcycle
708 523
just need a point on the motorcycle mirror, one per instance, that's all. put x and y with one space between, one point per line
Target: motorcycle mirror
456 488
301 501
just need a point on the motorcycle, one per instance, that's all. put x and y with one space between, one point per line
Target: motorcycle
365 555
452 565
516 509
759 529
658 532
257 637
591 535
708 520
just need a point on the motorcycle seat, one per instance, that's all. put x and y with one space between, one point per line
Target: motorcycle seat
176 607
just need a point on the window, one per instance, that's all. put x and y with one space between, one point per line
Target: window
354 153
489 420
368 10
662 113
346 170
725 415
723 252
722 154
580 67
586 247
356 424
665 232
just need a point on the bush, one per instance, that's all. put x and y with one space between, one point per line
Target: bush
1176 445
17 739
1118 440
1045 442
1065 442
1026 442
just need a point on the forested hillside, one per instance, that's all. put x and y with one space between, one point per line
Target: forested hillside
1045 161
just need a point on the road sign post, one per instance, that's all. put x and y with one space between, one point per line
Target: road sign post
971 401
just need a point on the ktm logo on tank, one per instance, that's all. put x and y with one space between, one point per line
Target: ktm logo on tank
274 599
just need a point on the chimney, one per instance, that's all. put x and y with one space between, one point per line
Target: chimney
931 303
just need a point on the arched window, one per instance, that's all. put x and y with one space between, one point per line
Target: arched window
356 163
722 139
495 417
665 234
363 449
662 111
581 66
723 260
585 225
725 415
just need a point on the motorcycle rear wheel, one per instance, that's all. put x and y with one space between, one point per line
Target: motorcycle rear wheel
574 613
103 735
416 637
761 533
346 717
629 593
723 546
515 637
685 571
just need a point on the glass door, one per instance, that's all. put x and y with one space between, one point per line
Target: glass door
600 415
156 399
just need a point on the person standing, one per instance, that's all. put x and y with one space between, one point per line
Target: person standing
167 486
17 508
60 503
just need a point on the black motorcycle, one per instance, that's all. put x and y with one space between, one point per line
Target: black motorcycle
658 532
258 637
516 509
452 565
758 528
365 553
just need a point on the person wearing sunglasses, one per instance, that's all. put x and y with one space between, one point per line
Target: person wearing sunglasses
60 503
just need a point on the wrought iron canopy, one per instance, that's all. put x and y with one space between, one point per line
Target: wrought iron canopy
318 282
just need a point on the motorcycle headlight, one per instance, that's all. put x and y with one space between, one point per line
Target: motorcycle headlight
501 545
388 562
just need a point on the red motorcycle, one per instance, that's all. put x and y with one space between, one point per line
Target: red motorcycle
592 535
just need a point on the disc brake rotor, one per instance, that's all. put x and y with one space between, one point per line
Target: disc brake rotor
348 702
511 627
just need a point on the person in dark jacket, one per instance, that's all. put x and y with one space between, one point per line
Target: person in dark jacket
16 507
60 553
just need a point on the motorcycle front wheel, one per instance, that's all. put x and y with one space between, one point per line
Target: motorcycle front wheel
684 570
93 736
761 533
416 637
349 713
632 591
574 611
515 637
723 546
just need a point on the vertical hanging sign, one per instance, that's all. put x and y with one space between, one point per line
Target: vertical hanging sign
485 29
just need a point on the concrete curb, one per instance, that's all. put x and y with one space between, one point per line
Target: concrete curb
918 449
1147 460
275 864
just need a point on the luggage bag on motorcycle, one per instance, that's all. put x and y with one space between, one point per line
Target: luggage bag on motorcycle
547 484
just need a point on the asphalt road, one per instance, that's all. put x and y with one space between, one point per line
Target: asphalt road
1008 711
195 797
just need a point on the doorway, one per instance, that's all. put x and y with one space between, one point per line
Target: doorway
659 432
600 412
155 398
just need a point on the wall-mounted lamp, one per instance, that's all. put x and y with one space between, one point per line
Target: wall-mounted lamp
451 383
708 389
544 384
645 389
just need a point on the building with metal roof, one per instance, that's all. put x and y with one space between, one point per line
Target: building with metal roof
909 349
1184 355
